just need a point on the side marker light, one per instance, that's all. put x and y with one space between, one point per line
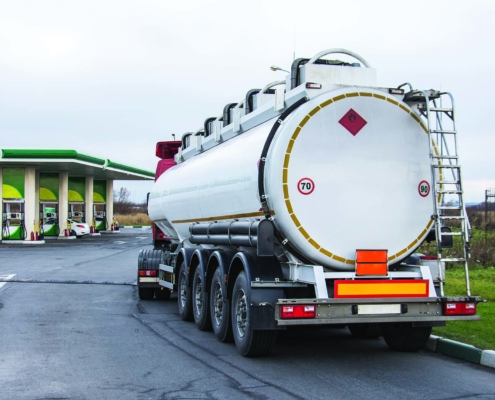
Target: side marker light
312 85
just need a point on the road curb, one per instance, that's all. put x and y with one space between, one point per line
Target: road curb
460 350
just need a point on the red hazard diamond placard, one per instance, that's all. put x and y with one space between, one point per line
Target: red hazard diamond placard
353 122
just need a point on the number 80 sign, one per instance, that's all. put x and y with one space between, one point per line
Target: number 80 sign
305 186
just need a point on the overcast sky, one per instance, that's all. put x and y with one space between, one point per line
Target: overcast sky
111 78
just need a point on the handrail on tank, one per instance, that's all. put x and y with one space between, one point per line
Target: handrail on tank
405 84
339 51
272 84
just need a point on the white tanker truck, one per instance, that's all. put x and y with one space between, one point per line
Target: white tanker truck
303 204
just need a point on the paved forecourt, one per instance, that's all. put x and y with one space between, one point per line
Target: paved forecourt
87 341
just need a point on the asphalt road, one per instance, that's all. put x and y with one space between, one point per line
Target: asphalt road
85 341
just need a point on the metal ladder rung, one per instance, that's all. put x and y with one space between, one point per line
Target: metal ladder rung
439 109
448 182
445 166
447 157
453 259
451 217
449 208
443 132
450 191
452 234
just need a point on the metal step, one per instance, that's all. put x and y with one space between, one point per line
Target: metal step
449 208
443 132
452 234
448 182
451 217
452 259
450 191
445 166
439 109
447 157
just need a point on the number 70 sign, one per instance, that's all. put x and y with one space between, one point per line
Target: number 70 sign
306 186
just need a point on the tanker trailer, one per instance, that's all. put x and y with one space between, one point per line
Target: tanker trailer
303 204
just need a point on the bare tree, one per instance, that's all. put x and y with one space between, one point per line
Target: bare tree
121 201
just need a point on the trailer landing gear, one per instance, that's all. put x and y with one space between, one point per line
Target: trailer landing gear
249 342
402 336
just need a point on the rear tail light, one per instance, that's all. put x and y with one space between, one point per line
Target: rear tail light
459 308
147 272
81 226
297 311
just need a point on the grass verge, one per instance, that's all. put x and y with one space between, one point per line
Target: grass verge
477 333
133 219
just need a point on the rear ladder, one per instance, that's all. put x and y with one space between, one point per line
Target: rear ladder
448 201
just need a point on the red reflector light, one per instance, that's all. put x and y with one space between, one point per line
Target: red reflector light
460 308
428 257
81 226
297 311
147 272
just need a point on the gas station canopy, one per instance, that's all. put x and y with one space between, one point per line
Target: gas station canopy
48 193
74 162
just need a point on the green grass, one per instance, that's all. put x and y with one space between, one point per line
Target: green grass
477 333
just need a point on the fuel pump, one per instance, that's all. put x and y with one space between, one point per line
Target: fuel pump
100 216
49 225
76 211
13 226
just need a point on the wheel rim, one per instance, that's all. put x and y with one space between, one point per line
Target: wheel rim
217 303
183 293
241 312
199 296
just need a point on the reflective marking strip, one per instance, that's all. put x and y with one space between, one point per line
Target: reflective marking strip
314 110
326 103
223 217
287 160
388 288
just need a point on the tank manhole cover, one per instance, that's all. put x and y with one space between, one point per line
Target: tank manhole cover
353 122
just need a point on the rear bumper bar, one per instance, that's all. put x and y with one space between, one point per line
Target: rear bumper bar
347 311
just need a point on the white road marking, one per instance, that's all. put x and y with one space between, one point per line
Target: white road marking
119 242
141 237
8 277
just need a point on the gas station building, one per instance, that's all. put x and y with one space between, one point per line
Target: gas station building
41 189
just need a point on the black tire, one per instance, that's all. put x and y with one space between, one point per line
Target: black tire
403 336
220 309
184 298
146 293
162 293
249 342
365 331
200 302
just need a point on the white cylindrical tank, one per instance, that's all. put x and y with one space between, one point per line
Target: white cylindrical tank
347 170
